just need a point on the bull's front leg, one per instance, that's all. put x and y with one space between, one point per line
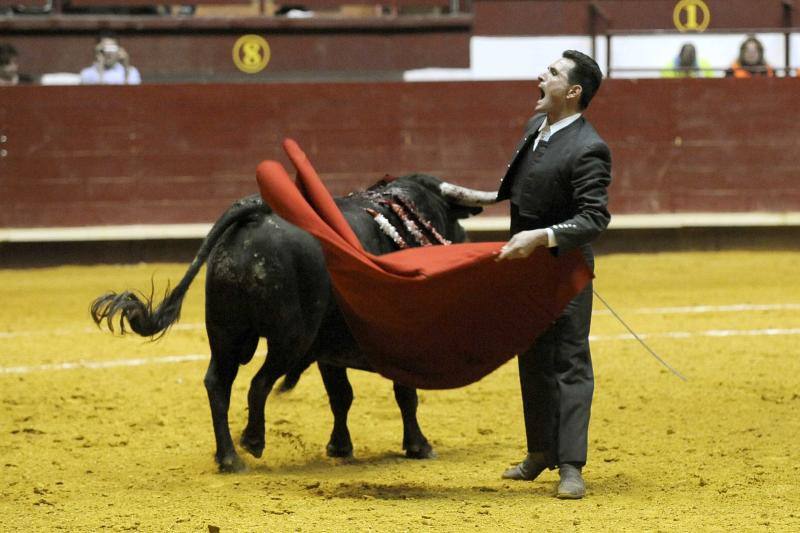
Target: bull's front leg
340 395
414 442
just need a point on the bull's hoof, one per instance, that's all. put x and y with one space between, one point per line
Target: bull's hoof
420 451
340 450
231 464
253 445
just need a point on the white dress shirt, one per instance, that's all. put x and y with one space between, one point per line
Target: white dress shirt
111 76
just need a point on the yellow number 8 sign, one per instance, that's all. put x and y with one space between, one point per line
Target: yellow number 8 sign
251 53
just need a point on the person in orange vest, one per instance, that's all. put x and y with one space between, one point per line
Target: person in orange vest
750 62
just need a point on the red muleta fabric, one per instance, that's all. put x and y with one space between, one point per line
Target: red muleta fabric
436 317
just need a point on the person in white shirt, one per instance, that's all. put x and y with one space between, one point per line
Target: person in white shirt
111 65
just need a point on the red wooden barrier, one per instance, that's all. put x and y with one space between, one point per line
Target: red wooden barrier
193 49
327 4
574 17
182 153
113 3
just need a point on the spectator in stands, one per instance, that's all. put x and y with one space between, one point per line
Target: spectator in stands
9 70
687 65
294 11
750 62
111 65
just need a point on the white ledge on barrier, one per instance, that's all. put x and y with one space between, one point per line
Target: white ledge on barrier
137 232
140 232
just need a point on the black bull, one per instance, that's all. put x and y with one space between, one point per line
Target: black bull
267 278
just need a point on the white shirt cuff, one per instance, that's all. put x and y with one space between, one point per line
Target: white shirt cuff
551 238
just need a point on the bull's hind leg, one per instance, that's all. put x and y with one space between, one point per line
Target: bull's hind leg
414 442
276 365
340 395
225 358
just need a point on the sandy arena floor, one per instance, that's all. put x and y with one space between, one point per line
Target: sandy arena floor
127 444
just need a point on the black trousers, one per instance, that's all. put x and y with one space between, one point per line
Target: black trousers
557 384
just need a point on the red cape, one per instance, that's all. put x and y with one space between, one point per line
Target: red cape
436 317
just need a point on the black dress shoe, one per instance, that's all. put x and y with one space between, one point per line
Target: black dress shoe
528 470
571 486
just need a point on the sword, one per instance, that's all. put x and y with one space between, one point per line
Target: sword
646 347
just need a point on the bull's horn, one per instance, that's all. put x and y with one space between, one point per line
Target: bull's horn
469 197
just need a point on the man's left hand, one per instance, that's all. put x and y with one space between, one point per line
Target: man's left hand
523 244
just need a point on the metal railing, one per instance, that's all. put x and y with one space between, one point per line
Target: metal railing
600 26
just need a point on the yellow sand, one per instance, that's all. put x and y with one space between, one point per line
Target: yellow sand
130 448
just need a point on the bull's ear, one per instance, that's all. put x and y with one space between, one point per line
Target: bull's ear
463 211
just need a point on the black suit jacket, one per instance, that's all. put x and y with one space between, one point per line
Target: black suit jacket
565 189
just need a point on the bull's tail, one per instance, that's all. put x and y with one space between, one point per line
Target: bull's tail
137 309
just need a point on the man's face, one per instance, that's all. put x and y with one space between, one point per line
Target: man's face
107 51
554 86
9 73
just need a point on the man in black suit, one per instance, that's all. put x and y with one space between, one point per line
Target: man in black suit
557 183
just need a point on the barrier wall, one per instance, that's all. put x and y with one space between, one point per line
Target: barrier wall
186 49
557 17
74 156
367 48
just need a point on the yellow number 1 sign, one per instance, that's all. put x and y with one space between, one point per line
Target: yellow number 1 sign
251 53
691 15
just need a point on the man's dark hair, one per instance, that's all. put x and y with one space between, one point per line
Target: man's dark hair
585 73
7 53
107 34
